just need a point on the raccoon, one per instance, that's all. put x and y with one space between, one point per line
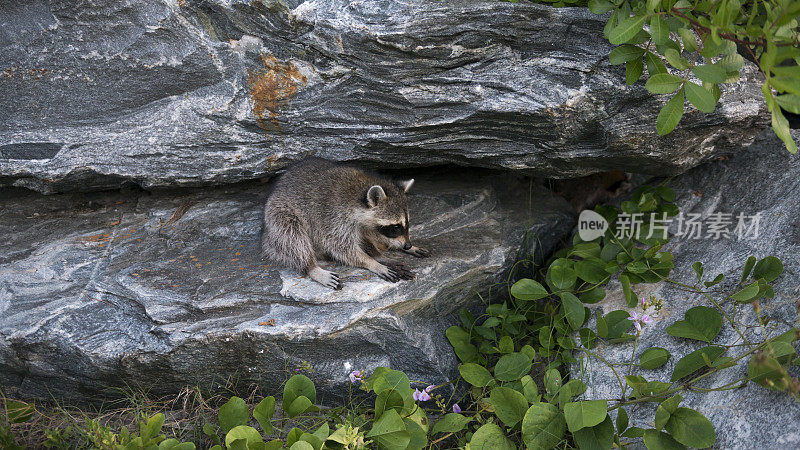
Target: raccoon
319 209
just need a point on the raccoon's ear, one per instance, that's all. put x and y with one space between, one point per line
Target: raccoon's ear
406 185
375 195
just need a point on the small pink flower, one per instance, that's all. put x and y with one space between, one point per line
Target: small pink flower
639 321
355 375
456 408
420 396
430 388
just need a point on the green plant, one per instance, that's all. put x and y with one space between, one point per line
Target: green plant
704 39
544 327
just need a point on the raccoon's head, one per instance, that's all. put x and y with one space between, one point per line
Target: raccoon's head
389 213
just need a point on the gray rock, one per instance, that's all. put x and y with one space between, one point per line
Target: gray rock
197 92
168 289
763 179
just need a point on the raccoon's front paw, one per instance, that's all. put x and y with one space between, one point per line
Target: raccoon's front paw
402 270
419 252
326 278
395 272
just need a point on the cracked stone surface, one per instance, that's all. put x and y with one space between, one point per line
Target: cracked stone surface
765 178
203 92
168 289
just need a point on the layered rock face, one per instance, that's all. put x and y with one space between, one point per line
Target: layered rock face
173 93
761 180
168 289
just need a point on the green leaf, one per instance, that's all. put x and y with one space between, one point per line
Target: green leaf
299 406
789 102
691 428
21 412
663 83
248 434
768 372
232 414
546 338
323 432
298 385
543 426
653 358
460 340
598 437
591 270
785 84
781 128
490 437
263 413
700 97
593 295
174 444
701 323
390 431
670 114
658 440
622 420
451 423
389 399
587 413
769 268
417 427
152 427
747 293
528 290
666 193
573 310
529 389
552 381
665 409
300 445
475 374
506 344
710 73
509 405
563 277
695 361
659 30
748 267
626 30
654 64
698 270
512 367
615 324
625 53
588 337
600 6
675 59
688 38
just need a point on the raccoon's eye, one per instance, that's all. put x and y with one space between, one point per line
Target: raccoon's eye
391 231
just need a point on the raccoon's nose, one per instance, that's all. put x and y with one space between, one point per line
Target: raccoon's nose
407 246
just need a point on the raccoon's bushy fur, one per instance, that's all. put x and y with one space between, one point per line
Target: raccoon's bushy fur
323 210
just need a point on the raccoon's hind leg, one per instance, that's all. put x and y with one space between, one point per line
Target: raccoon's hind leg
286 239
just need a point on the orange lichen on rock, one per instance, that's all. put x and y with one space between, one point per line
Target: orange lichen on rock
271 88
